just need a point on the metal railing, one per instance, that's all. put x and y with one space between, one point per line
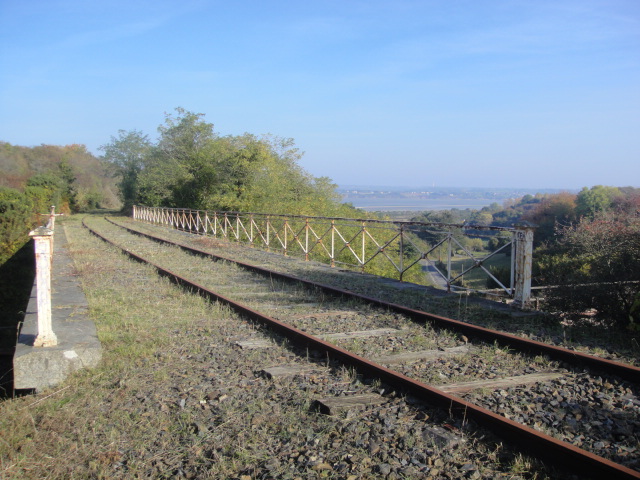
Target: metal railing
403 250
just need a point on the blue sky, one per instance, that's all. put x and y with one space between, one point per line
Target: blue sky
536 94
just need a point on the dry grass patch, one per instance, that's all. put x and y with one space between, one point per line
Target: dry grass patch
93 423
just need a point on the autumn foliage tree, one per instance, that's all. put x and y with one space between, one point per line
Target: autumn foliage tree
596 267
551 212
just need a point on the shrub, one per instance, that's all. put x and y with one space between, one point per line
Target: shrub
597 268
15 221
503 274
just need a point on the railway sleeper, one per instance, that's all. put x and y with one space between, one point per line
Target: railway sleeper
532 441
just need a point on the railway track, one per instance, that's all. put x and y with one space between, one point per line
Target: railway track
418 353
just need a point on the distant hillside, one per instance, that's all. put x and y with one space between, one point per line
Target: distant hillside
379 198
356 191
18 164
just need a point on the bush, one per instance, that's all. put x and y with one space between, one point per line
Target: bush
87 200
503 274
16 212
597 268
41 198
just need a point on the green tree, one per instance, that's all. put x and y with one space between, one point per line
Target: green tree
482 217
156 182
276 183
69 191
184 135
128 153
597 199
192 167
181 167
48 180
44 190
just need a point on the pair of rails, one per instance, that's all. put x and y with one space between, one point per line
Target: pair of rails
540 445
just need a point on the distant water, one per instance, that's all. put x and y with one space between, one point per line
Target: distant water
417 204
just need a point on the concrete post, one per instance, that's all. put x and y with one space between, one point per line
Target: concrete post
42 237
51 224
523 263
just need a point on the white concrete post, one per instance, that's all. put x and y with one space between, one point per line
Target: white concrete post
523 263
42 237
51 224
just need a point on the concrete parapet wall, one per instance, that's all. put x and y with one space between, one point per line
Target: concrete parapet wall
78 346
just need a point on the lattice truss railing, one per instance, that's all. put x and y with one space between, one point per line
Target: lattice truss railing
414 251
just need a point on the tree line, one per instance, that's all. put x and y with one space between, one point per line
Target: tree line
192 166
34 178
587 242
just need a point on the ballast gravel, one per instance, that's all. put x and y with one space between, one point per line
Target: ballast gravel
271 428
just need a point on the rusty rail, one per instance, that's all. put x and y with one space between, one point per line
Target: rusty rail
529 440
627 372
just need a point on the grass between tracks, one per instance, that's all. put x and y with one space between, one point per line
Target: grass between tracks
78 429
138 414
83 428
608 342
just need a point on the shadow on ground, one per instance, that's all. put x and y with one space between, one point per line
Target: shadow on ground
16 281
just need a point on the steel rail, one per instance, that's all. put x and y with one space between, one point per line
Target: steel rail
538 444
622 370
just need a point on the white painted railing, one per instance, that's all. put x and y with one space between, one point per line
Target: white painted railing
361 243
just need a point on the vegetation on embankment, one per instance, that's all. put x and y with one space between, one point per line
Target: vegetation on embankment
83 180
587 244
34 178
